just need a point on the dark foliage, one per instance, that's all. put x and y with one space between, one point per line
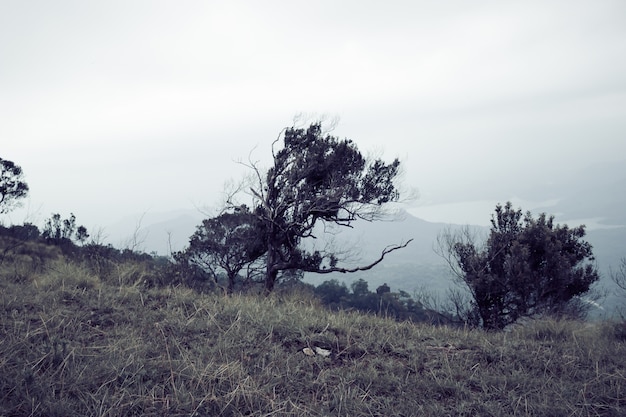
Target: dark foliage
26 247
527 267
103 259
226 244
12 185
24 232
397 305
332 293
316 177
22 258
62 232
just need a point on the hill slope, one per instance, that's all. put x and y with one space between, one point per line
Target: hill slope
73 344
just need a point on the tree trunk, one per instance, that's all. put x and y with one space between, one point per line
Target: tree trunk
231 283
270 272
270 280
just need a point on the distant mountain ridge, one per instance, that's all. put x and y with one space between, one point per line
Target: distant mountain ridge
162 233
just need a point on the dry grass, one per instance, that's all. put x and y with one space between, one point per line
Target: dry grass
71 345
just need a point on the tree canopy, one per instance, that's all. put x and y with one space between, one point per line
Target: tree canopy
317 177
527 267
12 185
227 243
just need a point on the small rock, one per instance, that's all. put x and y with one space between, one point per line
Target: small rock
322 352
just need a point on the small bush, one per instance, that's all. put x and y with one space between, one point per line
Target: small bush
19 259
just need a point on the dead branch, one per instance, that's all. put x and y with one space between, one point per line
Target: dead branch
384 253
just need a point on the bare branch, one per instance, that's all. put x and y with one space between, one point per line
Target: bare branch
98 236
619 276
170 249
277 140
444 247
136 239
384 253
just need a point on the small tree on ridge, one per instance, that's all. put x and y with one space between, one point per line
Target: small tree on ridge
227 243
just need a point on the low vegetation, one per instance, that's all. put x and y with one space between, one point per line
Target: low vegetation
74 342
91 330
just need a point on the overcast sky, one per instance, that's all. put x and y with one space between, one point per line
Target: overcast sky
114 108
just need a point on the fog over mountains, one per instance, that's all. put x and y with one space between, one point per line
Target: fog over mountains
594 196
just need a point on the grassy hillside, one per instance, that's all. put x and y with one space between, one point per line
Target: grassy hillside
73 344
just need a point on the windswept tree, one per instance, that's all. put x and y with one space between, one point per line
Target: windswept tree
317 178
227 244
12 185
527 267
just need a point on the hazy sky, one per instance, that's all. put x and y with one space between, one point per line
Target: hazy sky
114 108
